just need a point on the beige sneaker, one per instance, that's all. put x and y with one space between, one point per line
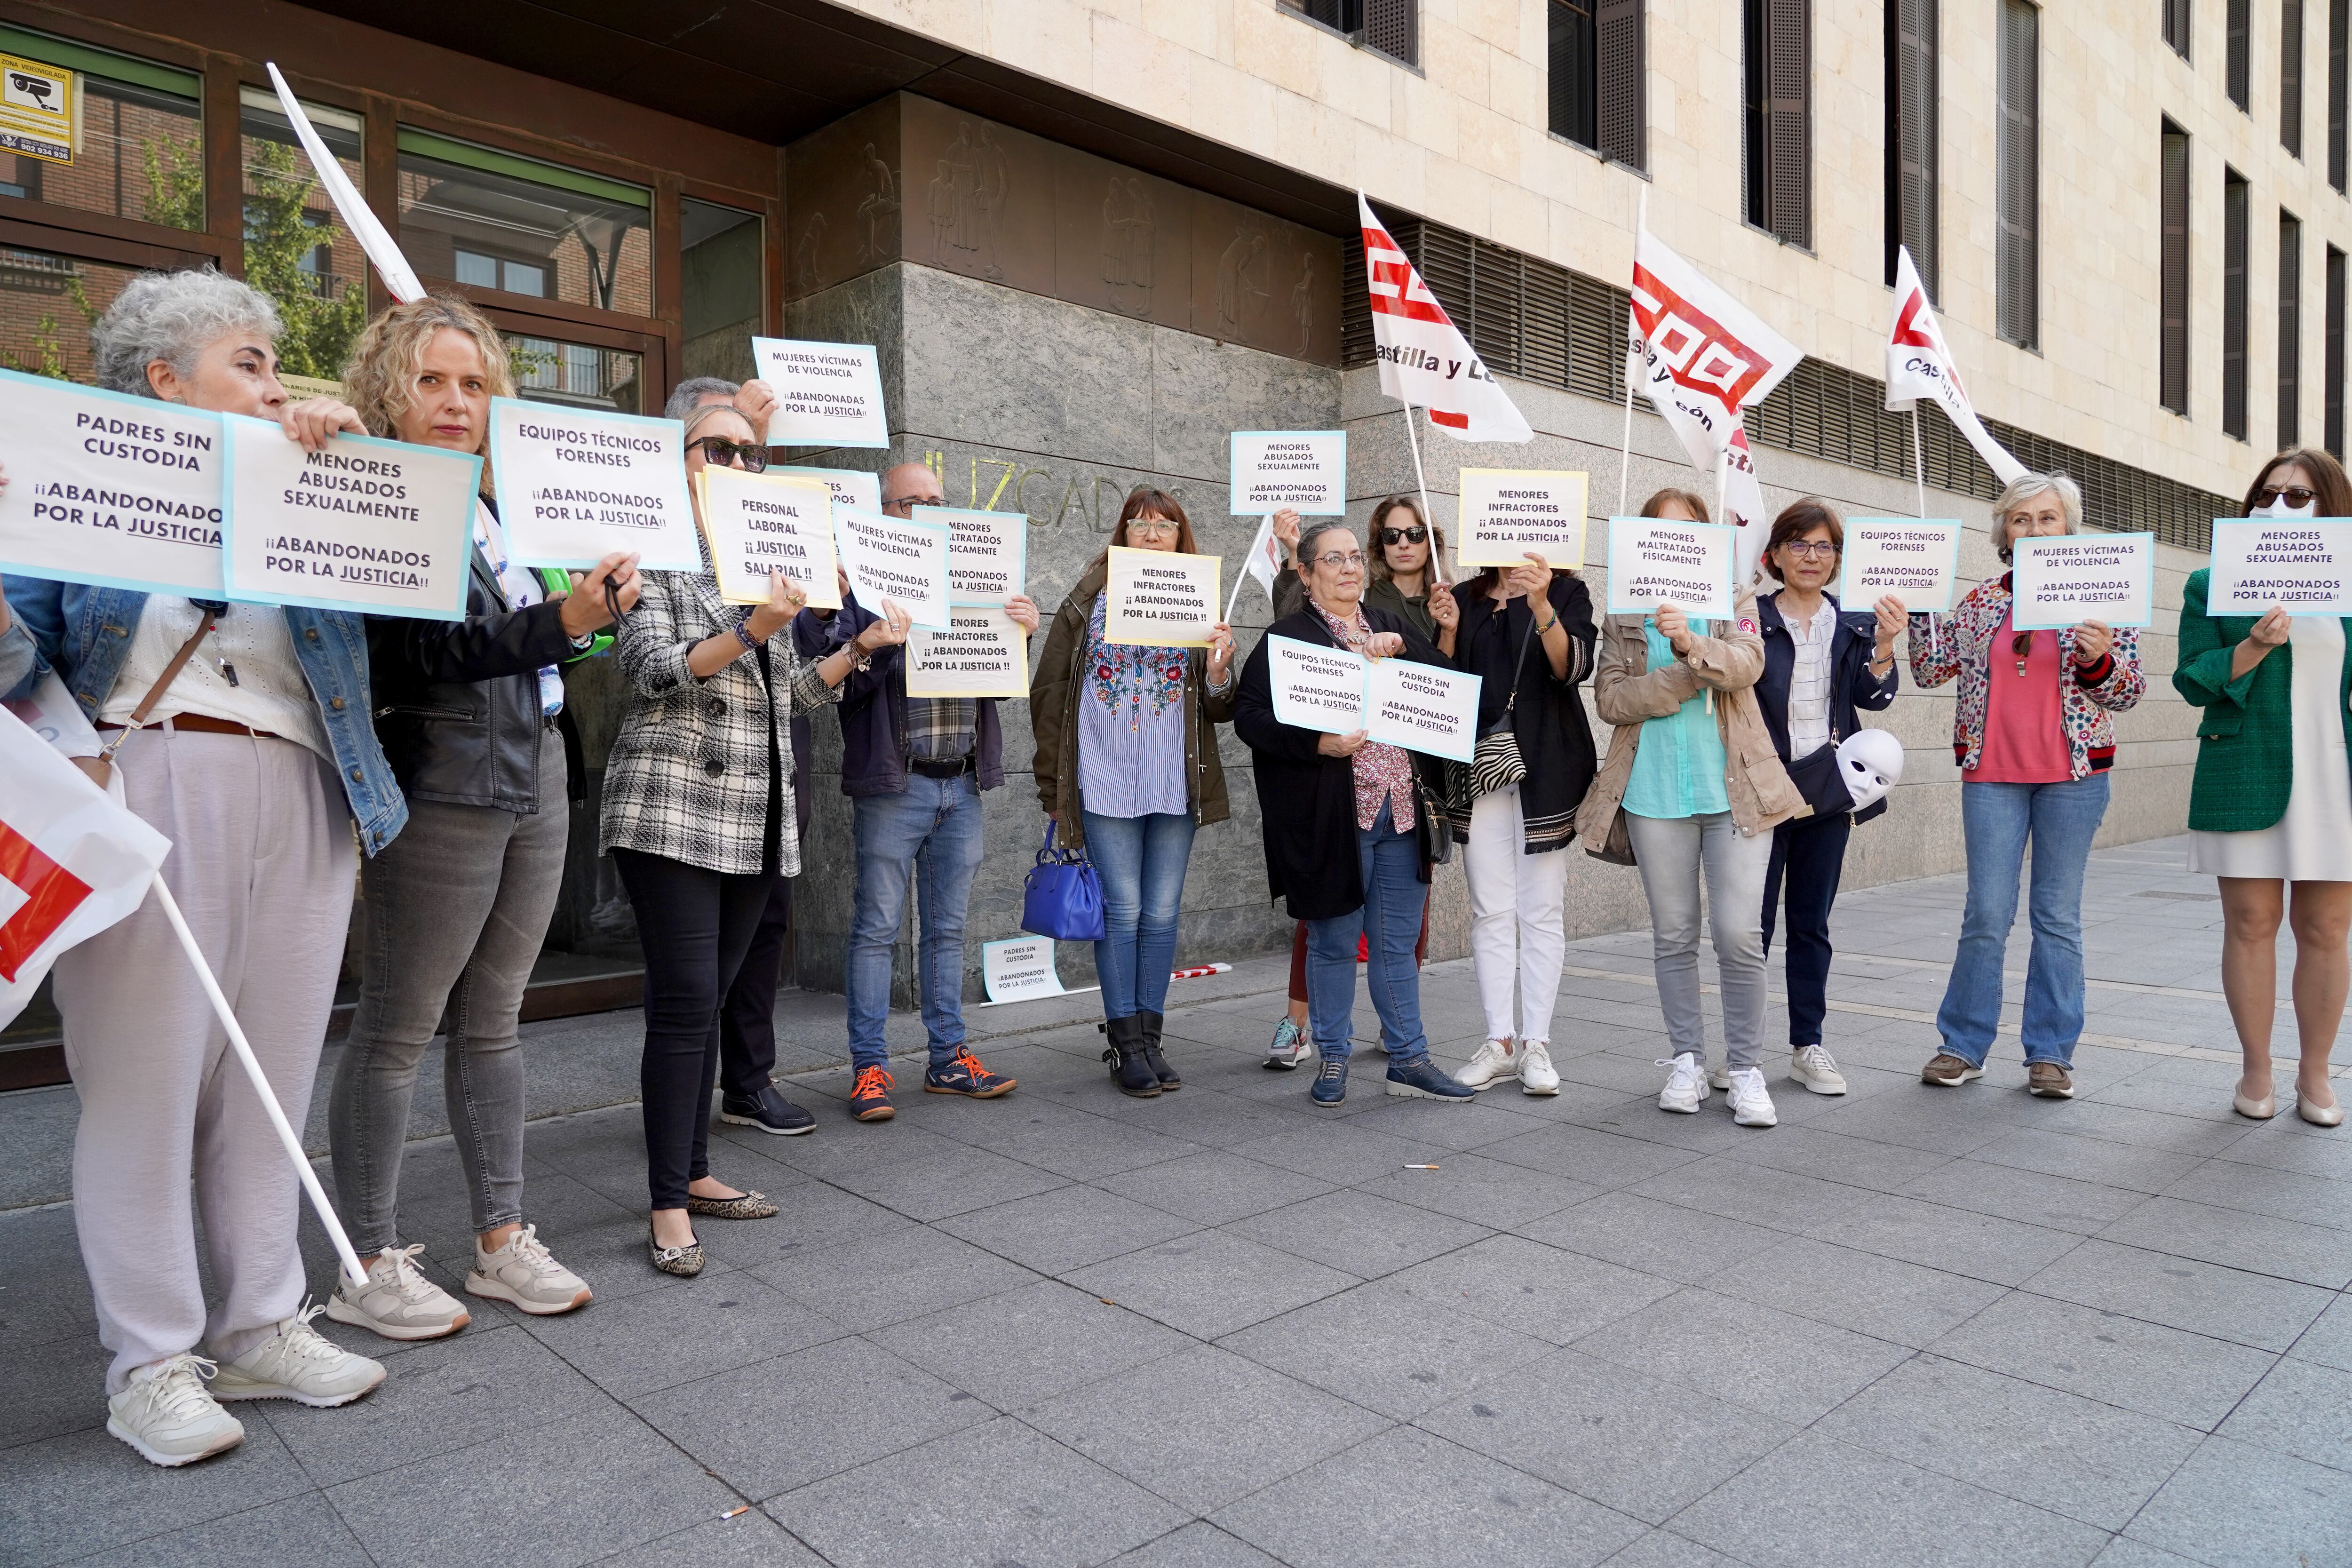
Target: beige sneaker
397 1301
170 1416
1495 1062
1816 1069
525 1273
1537 1074
299 1363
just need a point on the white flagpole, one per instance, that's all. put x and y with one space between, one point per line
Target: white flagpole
1258 543
1413 438
1625 447
244 1048
1919 467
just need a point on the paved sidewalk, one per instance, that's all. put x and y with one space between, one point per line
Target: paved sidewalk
1910 1326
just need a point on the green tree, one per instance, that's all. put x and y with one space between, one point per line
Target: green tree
279 236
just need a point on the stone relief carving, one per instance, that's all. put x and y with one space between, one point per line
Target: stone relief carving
880 211
1242 278
1302 305
967 201
1128 234
806 278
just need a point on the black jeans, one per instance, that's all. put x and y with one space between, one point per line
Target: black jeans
747 1019
1810 854
695 926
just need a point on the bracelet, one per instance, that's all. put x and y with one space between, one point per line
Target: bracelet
1545 630
744 635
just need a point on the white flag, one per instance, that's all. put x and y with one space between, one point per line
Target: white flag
1919 364
1425 361
399 278
1264 563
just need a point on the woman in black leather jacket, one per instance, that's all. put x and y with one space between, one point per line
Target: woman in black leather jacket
471 715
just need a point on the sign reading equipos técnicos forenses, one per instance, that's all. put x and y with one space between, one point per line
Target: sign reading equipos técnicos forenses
1916 558
577 484
1305 471
827 395
2300 564
2066 579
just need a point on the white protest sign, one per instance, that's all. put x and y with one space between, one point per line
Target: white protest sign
576 484
2067 579
1653 562
983 653
850 487
760 525
988 553
1305 471
1916 559
827 395
1021 969
380 528
121 492
1505 512
1316 688
902 560
1422 708
1158 598
2302 563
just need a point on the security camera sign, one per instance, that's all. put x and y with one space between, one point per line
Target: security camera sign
40 109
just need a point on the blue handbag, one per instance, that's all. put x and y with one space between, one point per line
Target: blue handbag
1063 898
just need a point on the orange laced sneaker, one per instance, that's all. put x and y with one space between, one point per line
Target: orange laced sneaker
870 1100
963 1075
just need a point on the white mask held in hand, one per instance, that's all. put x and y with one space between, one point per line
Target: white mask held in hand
1871 764
2280 509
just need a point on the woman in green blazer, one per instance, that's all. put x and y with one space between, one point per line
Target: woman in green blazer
2271 801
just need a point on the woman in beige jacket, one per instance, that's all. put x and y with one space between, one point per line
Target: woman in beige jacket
1693 782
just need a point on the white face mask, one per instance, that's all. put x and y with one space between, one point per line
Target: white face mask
2280 509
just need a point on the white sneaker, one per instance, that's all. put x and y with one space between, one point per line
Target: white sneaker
169 1415
525 1273
397 1301
1495 1062
1719 1075
1536 1074
1812 1067
1685 1088
299 1363
1751 1103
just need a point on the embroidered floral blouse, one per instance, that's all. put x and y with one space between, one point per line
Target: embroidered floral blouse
1131 727
1382 773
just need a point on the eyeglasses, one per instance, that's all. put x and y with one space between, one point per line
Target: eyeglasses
909 503
1335 561
2294 495
1416 534
1153 526
718 449
1811 549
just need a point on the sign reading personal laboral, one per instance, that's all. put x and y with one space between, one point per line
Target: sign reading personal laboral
2067 579
988 553
121 492
1316 688
2303 565
383 528
40 109
1160 598
1505 512
759 526
1916 559
983 653
1653 562
576 484
1305 471
900 560
827 395
1422 708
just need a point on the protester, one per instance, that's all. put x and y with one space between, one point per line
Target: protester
1692 787
914 768
1821 664
2272 801
1348 837
2034 737
1123 731
699 818
471 714
252 716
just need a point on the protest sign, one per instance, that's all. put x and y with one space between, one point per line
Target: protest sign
1305 471
1916 559
2066 580
381 527
827 395
1160 598
121 492
1422 708
988 553
760 525
1653 562
902 560
576 484
983 653
1505 512
850 487
1021 969
2302 563
1318 688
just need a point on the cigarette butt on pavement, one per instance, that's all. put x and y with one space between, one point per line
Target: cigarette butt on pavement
1421 1167
731 1512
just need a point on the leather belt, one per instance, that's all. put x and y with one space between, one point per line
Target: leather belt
202 724
938 770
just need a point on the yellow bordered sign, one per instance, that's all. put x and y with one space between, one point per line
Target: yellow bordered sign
40 109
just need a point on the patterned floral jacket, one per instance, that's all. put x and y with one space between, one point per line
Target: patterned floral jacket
1962 644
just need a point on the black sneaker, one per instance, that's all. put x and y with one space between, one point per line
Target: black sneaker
769 1111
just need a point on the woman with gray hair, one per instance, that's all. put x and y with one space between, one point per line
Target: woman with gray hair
254 753
2034 736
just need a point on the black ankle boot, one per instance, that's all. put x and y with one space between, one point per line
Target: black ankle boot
1160 1067
1124 1056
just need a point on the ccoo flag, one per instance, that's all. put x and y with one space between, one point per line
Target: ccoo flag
1424 359
1919 364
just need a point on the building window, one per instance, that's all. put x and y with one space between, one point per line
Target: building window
2176 25
1598 76
2233 304
2291 76
2173 291
2340 18
1391 26
2018 175
2332 355
1776 38
493 220
1911 137
2241 61
297 249
720 290
2290 330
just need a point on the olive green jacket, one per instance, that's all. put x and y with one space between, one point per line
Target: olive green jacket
2245 740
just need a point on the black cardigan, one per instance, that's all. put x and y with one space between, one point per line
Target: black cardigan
1852 685
1307 801
1555 739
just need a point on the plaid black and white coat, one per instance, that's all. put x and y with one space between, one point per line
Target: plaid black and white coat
688 776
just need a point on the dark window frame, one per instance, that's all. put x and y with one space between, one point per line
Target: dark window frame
2289 329
2340 87
2238 71
2173 270
1388 29
2178 26
1777 60
1913 212
2236 238
2017 179
2332 356
2291 63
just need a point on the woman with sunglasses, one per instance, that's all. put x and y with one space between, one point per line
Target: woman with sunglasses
2271 801
2034 734
1127 764
699 818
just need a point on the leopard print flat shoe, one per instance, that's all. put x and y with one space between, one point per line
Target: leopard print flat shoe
750 1205
686 1262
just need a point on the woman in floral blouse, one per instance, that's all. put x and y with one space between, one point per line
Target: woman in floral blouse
1127 765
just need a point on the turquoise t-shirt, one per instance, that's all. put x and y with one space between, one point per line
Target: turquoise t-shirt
1678 767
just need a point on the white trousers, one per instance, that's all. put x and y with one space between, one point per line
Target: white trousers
1517 929
261 865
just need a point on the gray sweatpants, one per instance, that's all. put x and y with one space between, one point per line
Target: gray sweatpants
1671 852
261 865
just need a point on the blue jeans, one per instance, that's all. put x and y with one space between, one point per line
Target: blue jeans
930 828
1142 861
1393 896
1997 819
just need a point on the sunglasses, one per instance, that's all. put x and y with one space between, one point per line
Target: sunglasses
718 449
2294 495
1416 534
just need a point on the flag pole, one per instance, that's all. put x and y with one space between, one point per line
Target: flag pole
1257 541
244 1049
1919 467
1625 447
1413 438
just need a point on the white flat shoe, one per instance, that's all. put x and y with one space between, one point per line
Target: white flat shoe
2261 1110
2319 1115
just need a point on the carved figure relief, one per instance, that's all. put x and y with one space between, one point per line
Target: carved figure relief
1302 304
879 209
804 265
991 184
1241 274
1127 239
